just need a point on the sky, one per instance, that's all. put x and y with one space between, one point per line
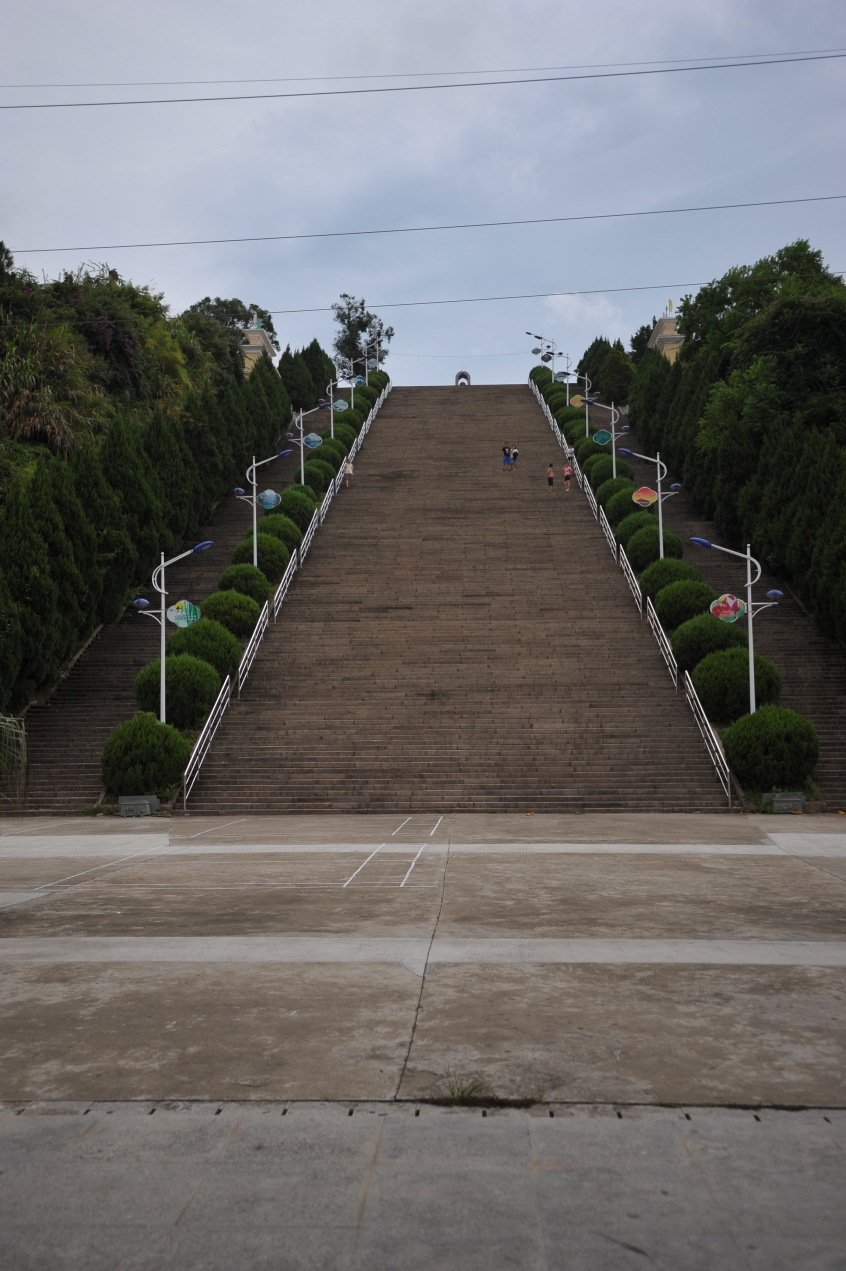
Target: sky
95 176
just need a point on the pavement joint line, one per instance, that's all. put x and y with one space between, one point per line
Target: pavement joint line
416 953
440 818
399 827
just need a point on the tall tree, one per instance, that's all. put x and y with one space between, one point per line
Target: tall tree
358 329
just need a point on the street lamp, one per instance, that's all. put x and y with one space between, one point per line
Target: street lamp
299 423
731 612
667 494
606 436
253 498
548 353
585 401
144 605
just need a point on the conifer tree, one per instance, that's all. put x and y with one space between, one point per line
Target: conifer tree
117 559
25 568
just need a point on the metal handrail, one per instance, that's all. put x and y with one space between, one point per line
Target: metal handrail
253 647
204 741
324 507
631 579
608 532
590 496
663 643
709 736
308 536
577 472
282 589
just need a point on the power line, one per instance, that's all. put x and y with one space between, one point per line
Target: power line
426 88
533 295
427 229
727 58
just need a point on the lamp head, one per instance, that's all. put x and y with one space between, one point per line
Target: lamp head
141 603
701 542
676 485
238 490
201 547
775 595
624 451
283 453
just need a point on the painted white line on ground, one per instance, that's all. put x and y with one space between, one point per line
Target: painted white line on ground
399 827
411 866
74 821
412 951
148 851
183 839
440 818
361 867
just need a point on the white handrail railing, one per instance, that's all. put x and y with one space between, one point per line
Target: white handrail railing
252 648
608 532
282 589
309 535
324 507
590 496
204 741
631 579
709 736
663 643
577 472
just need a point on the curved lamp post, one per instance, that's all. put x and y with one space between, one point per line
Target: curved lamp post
299 423
253 498
615 415
548 353
751 607
143 606
662 495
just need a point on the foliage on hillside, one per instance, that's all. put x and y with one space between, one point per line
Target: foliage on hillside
120 427
752 418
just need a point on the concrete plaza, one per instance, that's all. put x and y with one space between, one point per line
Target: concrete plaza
201 991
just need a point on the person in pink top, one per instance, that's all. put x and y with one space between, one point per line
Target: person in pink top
568 472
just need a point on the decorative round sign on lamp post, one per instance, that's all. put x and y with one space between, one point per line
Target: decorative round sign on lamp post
602 437
728 608
269 499
577 400
644 497
342 404
313 440
183 614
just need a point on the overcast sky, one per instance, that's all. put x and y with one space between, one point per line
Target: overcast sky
215 170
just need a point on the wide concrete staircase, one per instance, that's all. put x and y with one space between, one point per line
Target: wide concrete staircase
459 639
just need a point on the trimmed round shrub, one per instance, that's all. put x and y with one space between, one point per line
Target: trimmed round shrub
343 432
281 527
143 756
298 506
233 610
614 485
540 375
316 475
247 579
677 602
326 467
644 546
191 686
603 470
586 448
631 524
273 555
661 573
335 447
307 491
773 749
698 637
328 456
210 641
620 505
352 418
722 683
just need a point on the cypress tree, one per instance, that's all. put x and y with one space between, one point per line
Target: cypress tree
296 377
25 567
82 537
165 459
73 601
125 467
11 644
117 559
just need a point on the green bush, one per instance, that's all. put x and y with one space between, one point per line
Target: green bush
631 524
233 610
210 641
335 448
191 686
661 573
698 637
143 756
298 506
613 486
273 555
679 601
310 494
722 683
540 375
586 448
329 456
603 470
773 749
644 546
352 419
247 579
316 476
281 527
620 505
343 433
